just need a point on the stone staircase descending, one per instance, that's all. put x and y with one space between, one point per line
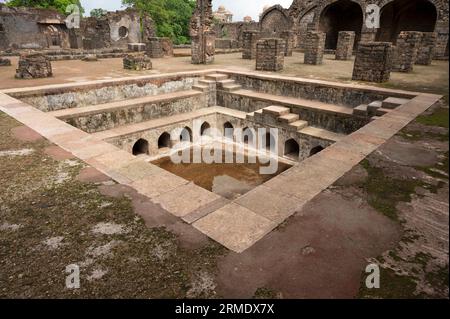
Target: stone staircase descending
378 108
220 81
278 116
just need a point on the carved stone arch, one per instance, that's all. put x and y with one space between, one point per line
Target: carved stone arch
274 21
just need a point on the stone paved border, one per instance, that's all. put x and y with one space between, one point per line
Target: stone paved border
239 224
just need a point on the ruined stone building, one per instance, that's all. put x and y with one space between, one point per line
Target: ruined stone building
33 28
333 16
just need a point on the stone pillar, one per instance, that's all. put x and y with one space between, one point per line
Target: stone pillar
344 49
154 48
405 52
288 37
373 62
314 47
270 54
426 49
441 50
249 39
167 46
203 37
34 65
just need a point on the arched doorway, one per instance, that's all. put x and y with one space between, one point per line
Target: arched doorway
291 149
186 135
140 147
164 140
228 130
343 15
247 136
270 143
315 150
205 128
406 15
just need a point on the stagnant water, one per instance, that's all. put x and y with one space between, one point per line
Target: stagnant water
227 180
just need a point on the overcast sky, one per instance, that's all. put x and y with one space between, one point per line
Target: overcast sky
240 8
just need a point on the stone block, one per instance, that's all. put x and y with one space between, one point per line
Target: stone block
314 47
344 49
405 51
249 39
270 54
137 62
426 48
34 65
373 62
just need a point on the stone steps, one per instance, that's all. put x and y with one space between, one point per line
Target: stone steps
393 102
376 108
73 113
289 118
278 116
216 77
295 102
298 125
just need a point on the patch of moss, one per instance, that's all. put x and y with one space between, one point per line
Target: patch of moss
439 279
384 192
264 293
392 286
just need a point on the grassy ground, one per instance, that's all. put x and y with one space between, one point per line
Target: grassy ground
49 220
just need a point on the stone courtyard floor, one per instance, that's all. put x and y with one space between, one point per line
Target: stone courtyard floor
392 208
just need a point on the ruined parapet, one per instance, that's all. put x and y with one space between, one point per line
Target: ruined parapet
426 48
373 62
314 47
250 39
227 44
288 37
270 54
137 62
405 52
5 62
202 34
346 41
34 65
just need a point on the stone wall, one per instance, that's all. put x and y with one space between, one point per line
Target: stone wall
270 54
426 48
405 52
288 37
34 65
112 118
235 30
314 47
86 95
344 49
203 36
227 44
373 62
250 38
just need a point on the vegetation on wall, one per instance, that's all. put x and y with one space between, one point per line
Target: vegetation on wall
59 5
172 17
98 13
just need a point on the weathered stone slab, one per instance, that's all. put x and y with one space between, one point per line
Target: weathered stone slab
235 227
185 199
373 62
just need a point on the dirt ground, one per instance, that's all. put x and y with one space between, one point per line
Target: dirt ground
391 209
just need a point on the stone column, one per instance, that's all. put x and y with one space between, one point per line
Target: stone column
154 48
426 49
34 65
249 39
270 54
344 49
405 52
289 38
314 47
203 37
441 50
373 62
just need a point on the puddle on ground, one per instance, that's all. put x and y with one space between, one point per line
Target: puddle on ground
227 180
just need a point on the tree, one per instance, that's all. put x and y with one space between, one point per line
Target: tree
98 13
59 5
171 17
